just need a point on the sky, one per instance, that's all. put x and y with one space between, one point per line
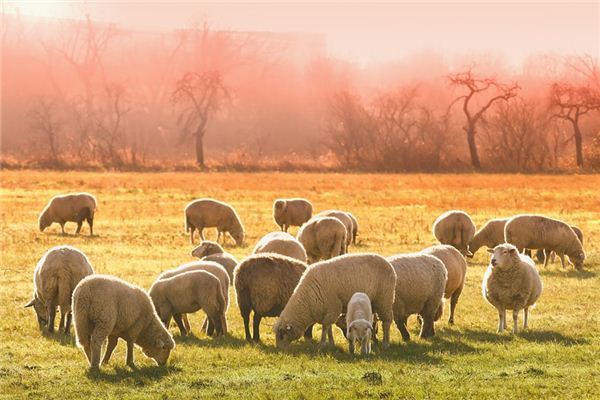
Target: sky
370 32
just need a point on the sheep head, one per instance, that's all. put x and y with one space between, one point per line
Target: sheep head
504 256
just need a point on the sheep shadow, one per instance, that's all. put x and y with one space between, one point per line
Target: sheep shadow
568 273
224 341
59 337
529 335
84 236
139 376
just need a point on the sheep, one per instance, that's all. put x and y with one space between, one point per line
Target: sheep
456 268
323 238
325 290
354 227
263 284
212 251
420 284
210 266
455 228
108 307
70 207
55 277
359 322
281 243
344 219
189 292
528 231
490 235
207 213
511 282
540 254
291 212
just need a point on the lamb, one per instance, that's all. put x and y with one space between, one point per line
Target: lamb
212 251
490 235
189 292
108 307
511 282
325 290
344 219
55 277
455 228
207 213
281 243
359 322
71 207
323 238
264 283
456 268
203 265
528 231
541 254
291 212
420 284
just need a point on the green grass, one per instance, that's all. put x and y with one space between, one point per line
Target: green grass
140 233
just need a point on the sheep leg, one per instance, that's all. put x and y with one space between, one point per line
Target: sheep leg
324 334
186 322
110 347
515 320
386 332
562 260
427 329
192 234
330 335
201 232
401 324
87 349
79 225
308 332
256 326
130 362
179 322
501 318
246 317
204 327
525 317
51 318
546 259
62 227
61 322
68 322
219 236
90 221
210 326
453 302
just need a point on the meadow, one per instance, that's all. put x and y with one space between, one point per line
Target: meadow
139 227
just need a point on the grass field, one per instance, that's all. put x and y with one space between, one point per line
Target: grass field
139 226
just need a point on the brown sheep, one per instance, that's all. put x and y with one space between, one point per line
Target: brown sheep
71 207
291 212
207 213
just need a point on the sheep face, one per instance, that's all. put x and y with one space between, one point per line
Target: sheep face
40 310
285 334
44 221
360 331
206 248
279 207
238 236
504 256
160 350
577 259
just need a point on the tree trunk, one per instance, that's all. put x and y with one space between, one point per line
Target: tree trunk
470 129
200 148
578 143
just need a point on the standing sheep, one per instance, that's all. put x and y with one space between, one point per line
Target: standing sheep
456 267
71 207
490 235
325 289
281 243
527 231
359 322
291 212
187 293
455 228
55 277
421 280
108 307
541 254
263 285
344 218
323 238
212 251
208 213
511 282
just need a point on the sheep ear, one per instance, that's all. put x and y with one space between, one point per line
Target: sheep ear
491 251
513 251
30 304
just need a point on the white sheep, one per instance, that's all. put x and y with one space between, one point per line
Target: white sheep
490 235
291 212
326 288
344 218
71 207
208 213
55 277
528 231
359 323
108 307
281 243
511 282
455 228
212 251
323 238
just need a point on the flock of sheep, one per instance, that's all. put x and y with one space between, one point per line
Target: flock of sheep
353 291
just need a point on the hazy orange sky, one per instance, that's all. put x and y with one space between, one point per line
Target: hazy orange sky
370 32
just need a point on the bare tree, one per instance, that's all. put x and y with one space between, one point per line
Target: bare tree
476 89
200 94
109 121
45 122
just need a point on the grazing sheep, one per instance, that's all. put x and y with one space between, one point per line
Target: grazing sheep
359 322
54 279
344 219
341 323
291 212
511 282
527 231
108 307
540 254
207 213
189 292
71 207
323 238
490 235
281 243
456 267
354 227
325 289
421 280
212 251
263 284
455 228
209 266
